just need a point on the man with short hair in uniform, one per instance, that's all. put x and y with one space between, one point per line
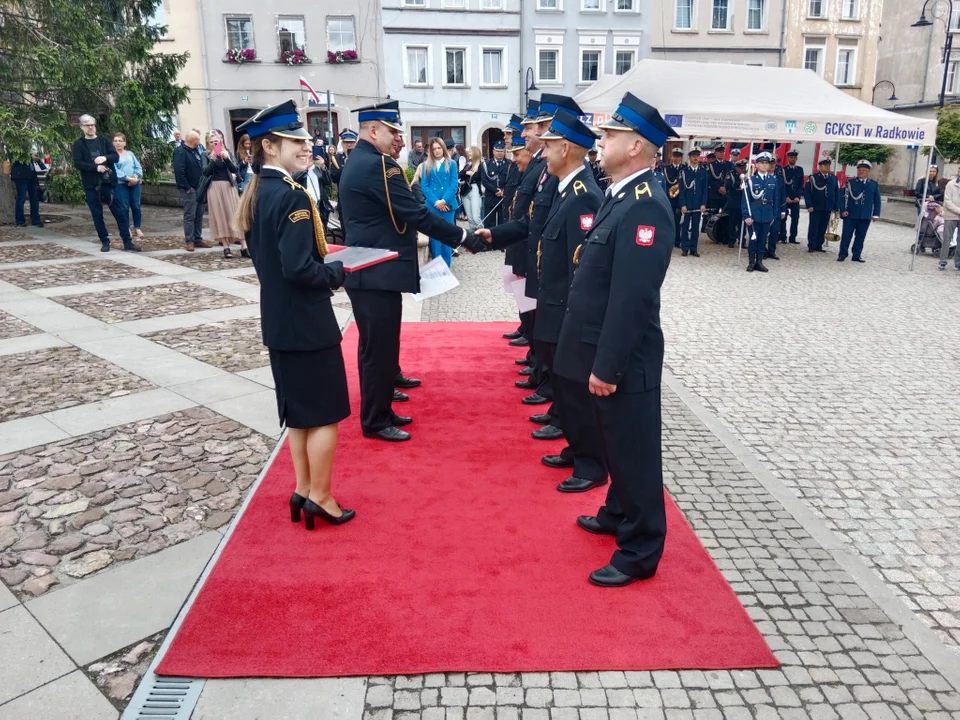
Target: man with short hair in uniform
716 171
759 206
493 175
779 217
733 185
595 168
860 205
337 160
793 191
671 174
378 210
512 257
611 339
693 202
821 195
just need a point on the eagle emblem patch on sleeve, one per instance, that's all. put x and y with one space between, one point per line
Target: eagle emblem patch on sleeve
645 235
586 222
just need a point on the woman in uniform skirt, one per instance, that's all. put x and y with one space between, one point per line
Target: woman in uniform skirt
285 236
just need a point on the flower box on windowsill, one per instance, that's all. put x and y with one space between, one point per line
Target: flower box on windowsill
239 56
342 57
294 57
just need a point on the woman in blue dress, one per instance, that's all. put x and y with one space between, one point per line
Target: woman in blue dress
439 180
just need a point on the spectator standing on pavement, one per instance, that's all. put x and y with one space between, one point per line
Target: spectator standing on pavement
222 199
438 180
951 221
416 156
95 159
177 139
244 160
129 176
935 192
188 164
25 179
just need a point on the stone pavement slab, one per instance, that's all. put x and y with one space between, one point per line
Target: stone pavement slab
28 432
121 606
49 275
216 389
38 659
12 327
7 598
286 699
116 411
72 697
232 346
257 410
28 343
38 251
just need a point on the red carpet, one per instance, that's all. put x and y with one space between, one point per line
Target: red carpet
462 557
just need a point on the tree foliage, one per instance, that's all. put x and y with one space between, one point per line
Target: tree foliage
852 153
948 134
60 59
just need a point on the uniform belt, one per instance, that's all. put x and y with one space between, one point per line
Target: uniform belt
767 202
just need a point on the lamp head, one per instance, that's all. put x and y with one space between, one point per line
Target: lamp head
922 22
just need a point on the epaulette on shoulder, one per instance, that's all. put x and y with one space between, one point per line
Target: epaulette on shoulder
579 188
293 184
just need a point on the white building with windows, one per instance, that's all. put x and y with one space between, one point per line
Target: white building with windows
570 44
452 64
282 42
743 32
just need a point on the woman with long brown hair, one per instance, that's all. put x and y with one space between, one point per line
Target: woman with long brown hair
471 177
301 332
244 161
222 197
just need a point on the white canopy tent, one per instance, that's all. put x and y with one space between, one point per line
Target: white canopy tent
754 103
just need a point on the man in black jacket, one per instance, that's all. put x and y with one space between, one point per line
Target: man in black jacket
188 162
24 176
95 157
494 180
378 210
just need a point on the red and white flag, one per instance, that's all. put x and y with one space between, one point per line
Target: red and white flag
313 93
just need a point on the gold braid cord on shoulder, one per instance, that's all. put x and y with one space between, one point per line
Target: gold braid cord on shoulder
576 254
386 189
318 235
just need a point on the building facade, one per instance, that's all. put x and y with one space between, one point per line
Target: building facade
334 45
453 66
182 20
838 40
570 44
744 32
911 60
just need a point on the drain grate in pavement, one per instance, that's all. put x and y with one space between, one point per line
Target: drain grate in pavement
164 697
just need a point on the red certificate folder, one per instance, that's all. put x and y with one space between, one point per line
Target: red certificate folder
357 258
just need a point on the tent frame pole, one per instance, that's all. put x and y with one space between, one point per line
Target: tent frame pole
743 224
923 203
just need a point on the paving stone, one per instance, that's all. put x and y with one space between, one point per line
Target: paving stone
11 327
115 306
233 346
207 261
48 276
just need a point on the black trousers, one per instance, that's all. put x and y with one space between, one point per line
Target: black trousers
677 221
630 433
493 212
579 428
527 321
793 215
819 222
544 376
378 314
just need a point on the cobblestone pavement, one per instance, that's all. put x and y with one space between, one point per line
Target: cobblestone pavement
153 243
115 306
38 251
73 508
233 346
48 276
8 234
58 378
11 327
210 260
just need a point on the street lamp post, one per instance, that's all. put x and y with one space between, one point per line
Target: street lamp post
893 95
947 48
528 86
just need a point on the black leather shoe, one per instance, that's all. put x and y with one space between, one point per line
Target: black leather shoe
557 461
859 260
132 248
519 342
405 382
535 399
578 485
772 256
694 253
104 247
401 420
526 371
592 525
841 258
810 250
794 242
821 250
311 510
296 505
547 432
522 361
541 419
526 385
683 254
390 434
400 396
609 576
244 253
512 335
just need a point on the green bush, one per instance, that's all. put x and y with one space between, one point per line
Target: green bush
852 153
410 172
65 187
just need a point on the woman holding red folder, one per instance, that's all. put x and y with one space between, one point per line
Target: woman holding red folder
285 235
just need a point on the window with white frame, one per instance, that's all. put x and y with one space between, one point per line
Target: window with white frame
813 58
239 32
955 23
846 66
756 14
291 33
417 57
683 18
952 77
414 3
159 18
548 4
491 4
341 34
624 61
850 9
817 9
455 66
589 5
720 17
492 66
548 65
454 3
625 5
590 61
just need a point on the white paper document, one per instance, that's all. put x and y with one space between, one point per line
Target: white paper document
508 278
435 279
524 304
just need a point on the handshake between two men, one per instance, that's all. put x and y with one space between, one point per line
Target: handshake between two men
477 240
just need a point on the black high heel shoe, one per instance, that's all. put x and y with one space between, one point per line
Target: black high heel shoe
244 253
296 505
311 510
227 253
